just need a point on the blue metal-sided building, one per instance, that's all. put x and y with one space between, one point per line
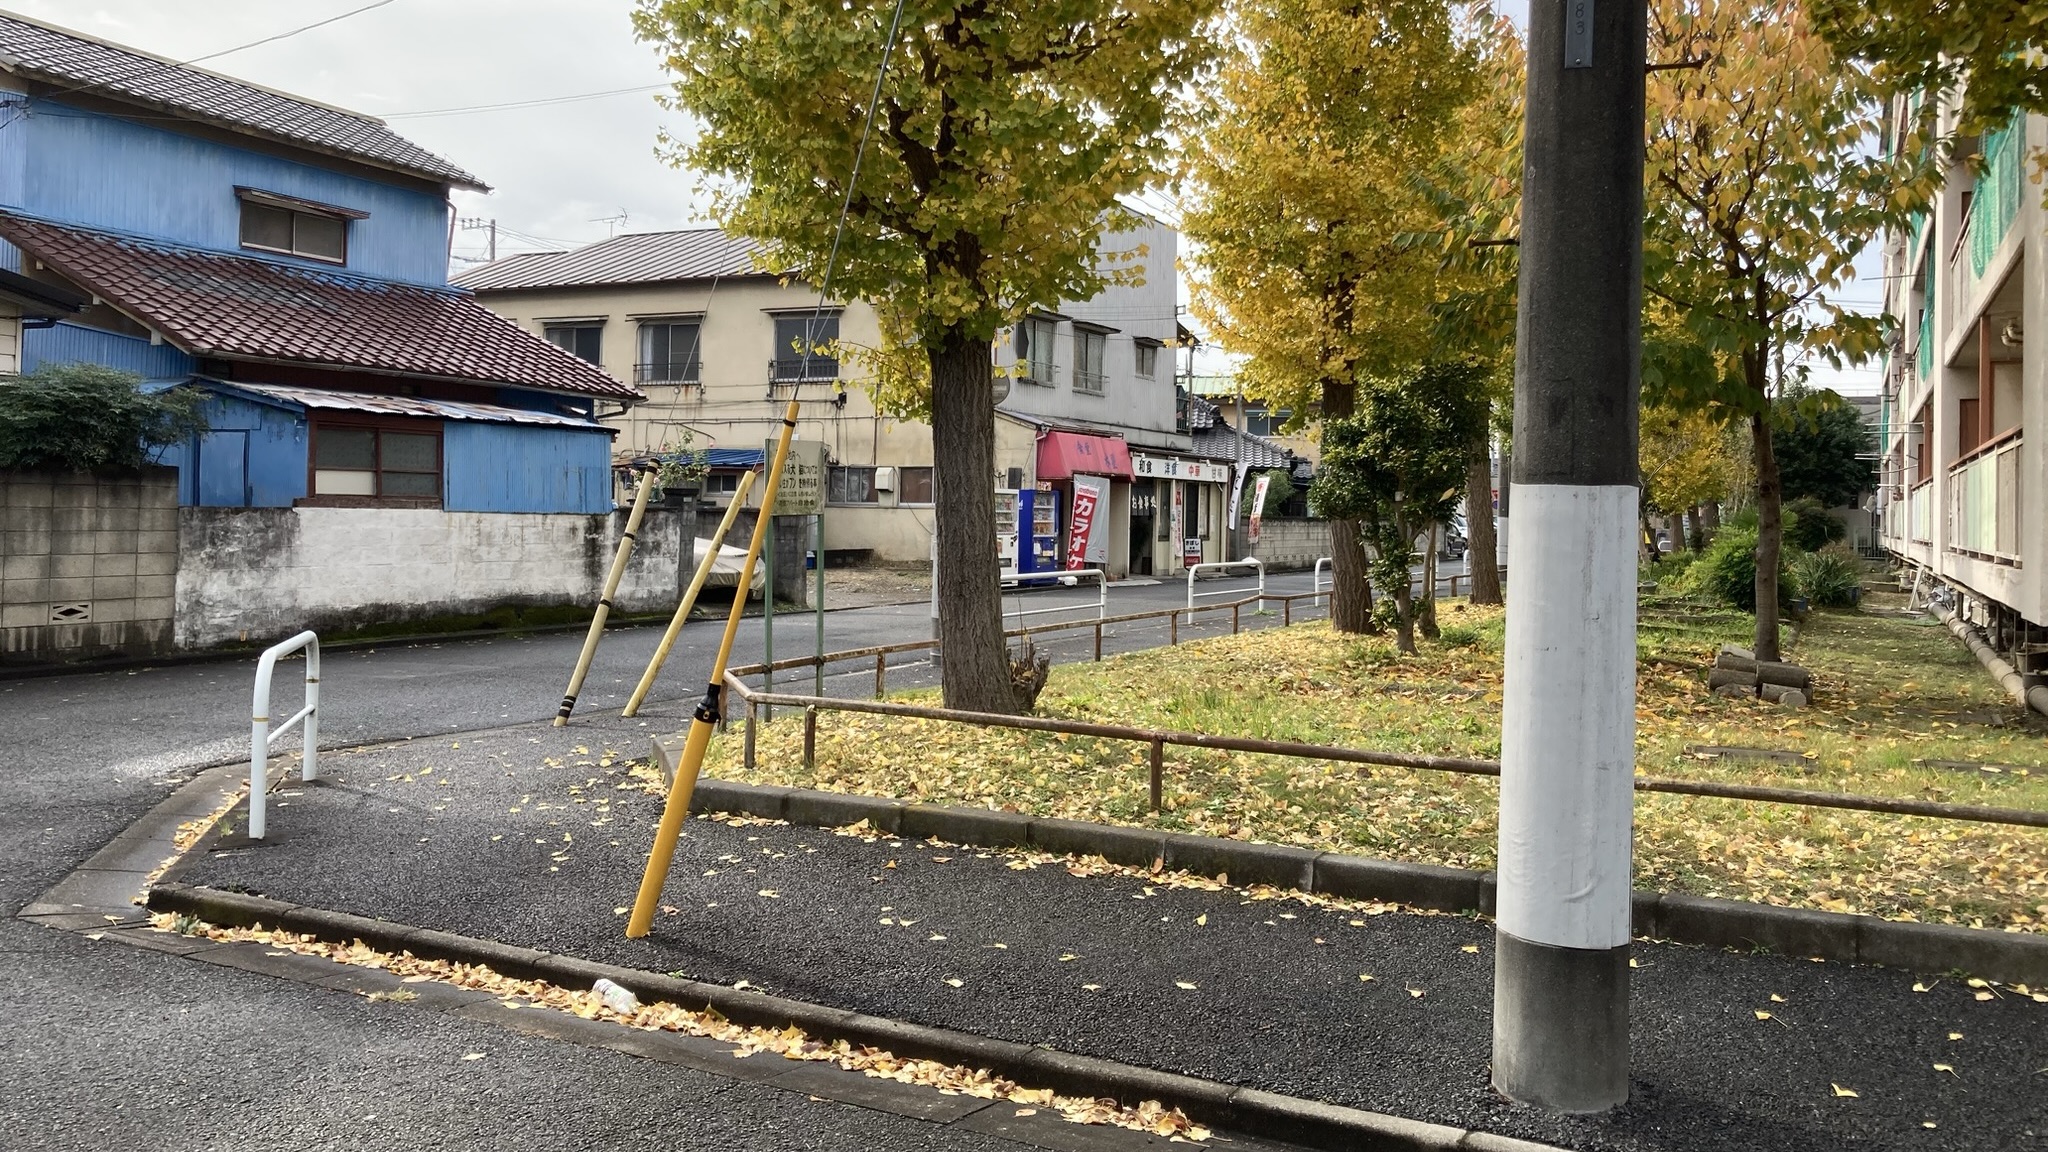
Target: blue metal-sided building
289 259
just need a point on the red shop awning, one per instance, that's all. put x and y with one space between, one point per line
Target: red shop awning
1062 454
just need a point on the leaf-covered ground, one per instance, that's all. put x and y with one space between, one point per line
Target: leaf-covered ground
1892 696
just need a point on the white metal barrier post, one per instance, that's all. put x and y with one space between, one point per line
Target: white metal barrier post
1071 578
262 736
1315 586
1253 562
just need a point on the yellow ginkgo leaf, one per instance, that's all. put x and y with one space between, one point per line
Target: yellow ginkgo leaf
1184 984
1841 1091
1762 1015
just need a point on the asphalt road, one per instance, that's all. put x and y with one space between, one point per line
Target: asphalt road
110 1047
523 835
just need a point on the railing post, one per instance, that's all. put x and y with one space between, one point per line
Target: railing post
810 737
1098 641
747 755
1235 609
1287 612
1158 770
881 675
1173 628
309 765
259 746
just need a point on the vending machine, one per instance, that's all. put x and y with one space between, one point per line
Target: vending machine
1007 552
1027 532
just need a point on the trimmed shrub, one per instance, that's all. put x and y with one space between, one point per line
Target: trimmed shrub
1810 527
1727 570
1828 578
89 418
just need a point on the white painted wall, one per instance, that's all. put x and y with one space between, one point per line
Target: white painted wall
249 574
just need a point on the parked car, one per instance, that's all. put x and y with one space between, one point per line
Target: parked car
1453 542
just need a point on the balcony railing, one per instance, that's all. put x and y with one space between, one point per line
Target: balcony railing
802 370
1920 512
1984 501
1090 383
668 372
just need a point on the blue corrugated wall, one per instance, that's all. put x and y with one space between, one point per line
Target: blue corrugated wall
69 343
253 457
522 468
83 168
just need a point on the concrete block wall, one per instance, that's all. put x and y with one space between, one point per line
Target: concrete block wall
88 565
1286 543
260 574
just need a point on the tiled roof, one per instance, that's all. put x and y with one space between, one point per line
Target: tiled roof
635 258
71 61
213 304
1219 441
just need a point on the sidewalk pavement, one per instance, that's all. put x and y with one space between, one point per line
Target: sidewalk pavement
537 837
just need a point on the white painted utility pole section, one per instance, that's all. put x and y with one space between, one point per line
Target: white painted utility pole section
1560 1007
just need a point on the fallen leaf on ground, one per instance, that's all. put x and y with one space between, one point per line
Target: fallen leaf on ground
472 1056
1955 1035
770 893
1948 1068
1027 1111
1777 999
1066 956
1183 984
1365 976
1416 992
1762 1015
1841 1091
954 981
1469 948
1203 919
1092 987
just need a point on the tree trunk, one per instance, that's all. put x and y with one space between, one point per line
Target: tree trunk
1404 619
1711 518
1481 556
974 667
1350 592
1698 538
1770 530
1426 616
1674 527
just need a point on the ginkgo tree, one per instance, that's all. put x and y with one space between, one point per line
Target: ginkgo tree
1476 192
1303 186
1002 136
1763 183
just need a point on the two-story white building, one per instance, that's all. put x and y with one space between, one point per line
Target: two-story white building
1088 407
1964 396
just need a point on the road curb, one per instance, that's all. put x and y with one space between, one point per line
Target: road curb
1240 1110
2006 957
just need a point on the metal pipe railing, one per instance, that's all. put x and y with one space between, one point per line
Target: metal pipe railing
1250 562
2020 817
262 736
1070 577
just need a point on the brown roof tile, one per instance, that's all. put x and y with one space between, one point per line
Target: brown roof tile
214 304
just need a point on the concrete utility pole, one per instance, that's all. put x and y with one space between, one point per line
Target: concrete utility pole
1560 1008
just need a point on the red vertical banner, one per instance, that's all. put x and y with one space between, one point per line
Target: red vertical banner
1258 506
1079 524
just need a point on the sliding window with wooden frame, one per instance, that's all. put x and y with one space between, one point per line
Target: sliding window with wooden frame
375 462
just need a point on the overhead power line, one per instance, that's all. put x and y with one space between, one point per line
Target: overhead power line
537 102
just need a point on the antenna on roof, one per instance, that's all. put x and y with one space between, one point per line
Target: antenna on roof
612 223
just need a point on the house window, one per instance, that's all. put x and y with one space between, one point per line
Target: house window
314 235
1033 343
721 483
913 486
584 340
376 463
1089 345
1261 421
668 353
851 486
805 348
1147 359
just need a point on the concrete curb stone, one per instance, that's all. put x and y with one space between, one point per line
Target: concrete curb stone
1265 1114
2010 957
1132 847
975 826
1244 862
763 800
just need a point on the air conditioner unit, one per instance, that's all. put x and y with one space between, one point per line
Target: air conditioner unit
885 479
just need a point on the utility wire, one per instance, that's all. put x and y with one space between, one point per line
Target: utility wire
153 65
516 104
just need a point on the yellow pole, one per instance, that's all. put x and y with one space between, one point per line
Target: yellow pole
675 626
707 714
604 602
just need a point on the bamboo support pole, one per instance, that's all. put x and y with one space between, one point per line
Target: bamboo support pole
675 626
604 602
709 710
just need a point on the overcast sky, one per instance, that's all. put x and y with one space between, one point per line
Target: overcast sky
561 173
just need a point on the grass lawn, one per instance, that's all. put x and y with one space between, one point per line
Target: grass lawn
1891 695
